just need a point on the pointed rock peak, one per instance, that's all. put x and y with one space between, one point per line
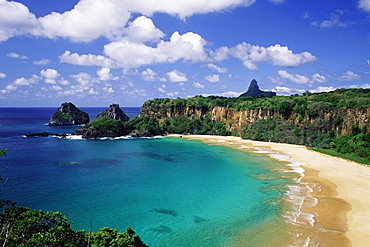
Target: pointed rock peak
253 85
254 91
114 112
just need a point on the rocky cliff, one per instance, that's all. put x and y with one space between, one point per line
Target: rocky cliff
339 122
114 112
69 114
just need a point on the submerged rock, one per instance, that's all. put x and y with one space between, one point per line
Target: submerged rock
114 112
69 114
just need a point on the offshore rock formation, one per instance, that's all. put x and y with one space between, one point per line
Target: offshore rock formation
114 112
108 123
69 114
254 91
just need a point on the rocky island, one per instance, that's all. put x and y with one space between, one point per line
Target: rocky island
108 123
69 114
114 112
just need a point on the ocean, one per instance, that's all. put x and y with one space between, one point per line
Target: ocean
171 191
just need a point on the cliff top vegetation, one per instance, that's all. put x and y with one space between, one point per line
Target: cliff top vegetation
340 98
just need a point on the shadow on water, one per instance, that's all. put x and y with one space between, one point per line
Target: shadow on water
199 220
145 154
164 211
161 229
90 162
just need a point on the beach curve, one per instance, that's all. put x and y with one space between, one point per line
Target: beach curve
343 197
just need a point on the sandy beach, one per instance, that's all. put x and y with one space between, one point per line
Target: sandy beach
341 189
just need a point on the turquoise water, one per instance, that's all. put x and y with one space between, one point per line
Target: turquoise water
171 191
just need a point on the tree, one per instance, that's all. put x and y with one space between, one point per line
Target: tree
20 226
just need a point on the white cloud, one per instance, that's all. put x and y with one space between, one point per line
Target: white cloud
364 4
348 76
16 55
198 85
56 88
15 19
92 92
332 21
142 30
105 75
224 94
91 19
84 80
188 47
88 20
150 75
182 8
43 61
50 75
2 75
20 82
216 68
212 78
250 55
321 89
287 91
86 60
176 76
160 89
299 79
319 78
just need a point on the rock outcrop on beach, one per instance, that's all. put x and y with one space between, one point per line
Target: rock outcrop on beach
114 112
254 91
69 114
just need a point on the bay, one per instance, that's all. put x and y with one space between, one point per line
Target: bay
171 191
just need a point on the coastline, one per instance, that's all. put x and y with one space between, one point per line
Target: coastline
340 189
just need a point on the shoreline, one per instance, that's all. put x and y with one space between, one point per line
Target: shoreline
340 188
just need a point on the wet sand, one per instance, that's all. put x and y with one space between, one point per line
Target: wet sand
340 188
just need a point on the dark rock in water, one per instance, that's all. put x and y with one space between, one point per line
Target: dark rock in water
254 91
46 134
114 112
90 132
69 114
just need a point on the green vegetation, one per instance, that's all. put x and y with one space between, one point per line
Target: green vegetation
20 226
340 98
107 123
312 119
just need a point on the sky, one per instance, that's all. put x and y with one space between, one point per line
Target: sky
99 52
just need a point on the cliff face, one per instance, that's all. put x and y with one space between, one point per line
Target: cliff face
69 114
114 112
340 122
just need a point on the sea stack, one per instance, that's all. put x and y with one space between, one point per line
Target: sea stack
114 112
254 91
69 114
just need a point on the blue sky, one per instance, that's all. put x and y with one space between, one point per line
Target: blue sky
99 52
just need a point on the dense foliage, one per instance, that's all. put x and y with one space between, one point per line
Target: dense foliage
315 131
20 226
304 103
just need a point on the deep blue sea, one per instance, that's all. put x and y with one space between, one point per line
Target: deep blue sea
171 191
